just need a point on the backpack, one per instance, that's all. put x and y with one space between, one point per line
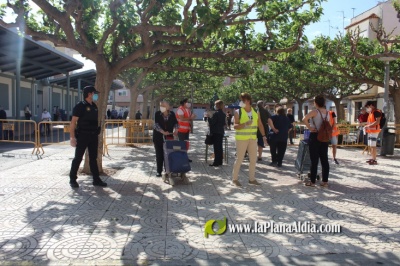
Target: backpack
383 119
325 130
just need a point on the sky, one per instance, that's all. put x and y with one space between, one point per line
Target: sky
333 12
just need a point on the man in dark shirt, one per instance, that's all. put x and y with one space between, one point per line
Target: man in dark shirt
126 112
291 130
264 116
84 131
138 115
3 115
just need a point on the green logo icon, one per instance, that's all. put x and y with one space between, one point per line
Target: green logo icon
208 227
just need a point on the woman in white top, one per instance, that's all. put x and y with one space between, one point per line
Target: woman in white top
318 150
46 116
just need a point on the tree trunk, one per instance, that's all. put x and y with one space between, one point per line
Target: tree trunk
339 109
395 93
132 108
152 107
300 103
145 104
104 79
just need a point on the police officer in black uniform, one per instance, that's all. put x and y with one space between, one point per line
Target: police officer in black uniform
84 131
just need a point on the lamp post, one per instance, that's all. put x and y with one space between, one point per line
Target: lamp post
386 60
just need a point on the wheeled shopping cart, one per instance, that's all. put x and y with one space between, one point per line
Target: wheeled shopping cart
303 161
176 161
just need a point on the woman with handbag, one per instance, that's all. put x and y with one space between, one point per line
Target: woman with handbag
217 131
165 124
318 149
278 135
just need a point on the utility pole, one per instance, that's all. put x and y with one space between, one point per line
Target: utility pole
353 10
329 22
343 19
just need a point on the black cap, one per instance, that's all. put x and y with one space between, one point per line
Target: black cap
369 103
90 89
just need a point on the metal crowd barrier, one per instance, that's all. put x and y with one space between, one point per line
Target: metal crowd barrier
126 133
19 131
349 135
52 132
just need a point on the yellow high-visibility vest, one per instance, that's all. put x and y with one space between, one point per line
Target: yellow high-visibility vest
249 132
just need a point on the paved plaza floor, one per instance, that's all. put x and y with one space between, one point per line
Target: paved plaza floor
140 220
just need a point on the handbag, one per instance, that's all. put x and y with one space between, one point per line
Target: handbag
209 139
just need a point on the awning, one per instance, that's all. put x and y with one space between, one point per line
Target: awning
86 78
38 60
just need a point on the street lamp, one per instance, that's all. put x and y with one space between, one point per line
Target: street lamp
386 60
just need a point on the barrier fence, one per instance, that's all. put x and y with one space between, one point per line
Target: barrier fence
351 134
51 133
19 131
126 133
115 132
132 132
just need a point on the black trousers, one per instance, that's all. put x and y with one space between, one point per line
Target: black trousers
91 142
278 150
318 151
218 148
291 135
158 146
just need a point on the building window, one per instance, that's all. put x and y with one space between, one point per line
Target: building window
122 93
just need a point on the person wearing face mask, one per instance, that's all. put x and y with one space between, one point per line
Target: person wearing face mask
184 117
46 117
246 123
165 124
84 131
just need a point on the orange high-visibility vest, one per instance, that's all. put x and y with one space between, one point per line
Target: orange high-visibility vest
335 130
371 119
184 126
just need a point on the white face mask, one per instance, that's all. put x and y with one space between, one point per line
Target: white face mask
242 104
188 105
369 110
163 109
215 107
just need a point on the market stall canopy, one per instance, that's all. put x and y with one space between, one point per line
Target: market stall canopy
86 78
38 60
